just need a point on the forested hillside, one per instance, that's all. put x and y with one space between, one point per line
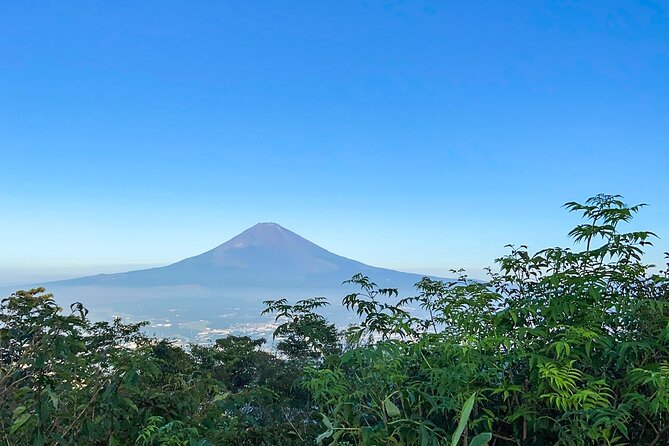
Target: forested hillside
560 346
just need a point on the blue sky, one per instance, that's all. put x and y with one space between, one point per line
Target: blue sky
414 135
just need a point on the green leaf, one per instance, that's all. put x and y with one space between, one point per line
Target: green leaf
18 411
391 409
327 422
221 397
39 439
53 396
131 403
481 439
323 436
464 417
19 422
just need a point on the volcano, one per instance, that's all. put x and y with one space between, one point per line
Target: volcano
221 291
265 255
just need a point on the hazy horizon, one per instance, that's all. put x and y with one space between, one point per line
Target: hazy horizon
36 273
28 275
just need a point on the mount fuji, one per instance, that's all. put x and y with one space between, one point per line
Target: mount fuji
222 291
264 256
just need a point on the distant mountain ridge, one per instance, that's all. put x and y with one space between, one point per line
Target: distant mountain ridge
265 255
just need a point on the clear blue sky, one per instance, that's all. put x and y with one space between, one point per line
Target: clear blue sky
414 135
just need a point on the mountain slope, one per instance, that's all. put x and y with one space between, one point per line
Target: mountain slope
265 255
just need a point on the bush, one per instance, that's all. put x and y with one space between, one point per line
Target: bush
561 347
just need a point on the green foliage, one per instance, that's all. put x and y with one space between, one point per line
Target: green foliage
65 380
562 347
304 334
558 347
174 433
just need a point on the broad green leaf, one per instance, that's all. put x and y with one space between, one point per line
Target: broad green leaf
391 409
221 397
18 411
53 396
19 422
323 436
327 422
464 417
39 439
481 439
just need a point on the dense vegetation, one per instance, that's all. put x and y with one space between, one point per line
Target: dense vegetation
558 347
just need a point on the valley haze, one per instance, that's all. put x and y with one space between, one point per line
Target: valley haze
221 291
